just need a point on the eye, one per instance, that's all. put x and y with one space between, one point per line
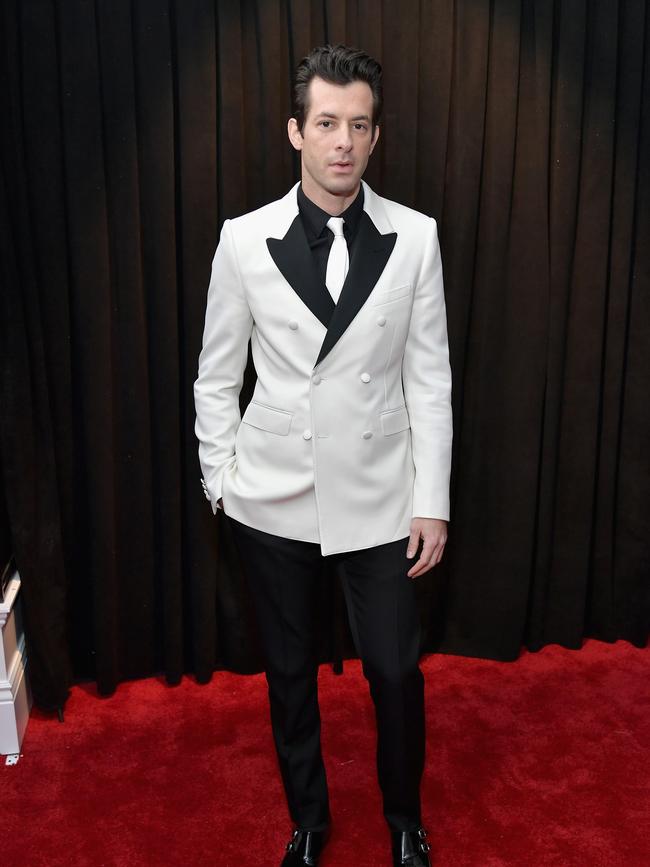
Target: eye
322 122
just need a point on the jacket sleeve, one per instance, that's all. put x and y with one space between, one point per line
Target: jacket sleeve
222 362
426 378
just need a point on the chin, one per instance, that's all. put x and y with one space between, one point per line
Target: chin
339 186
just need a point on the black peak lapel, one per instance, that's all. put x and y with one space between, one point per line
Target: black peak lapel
295 261
371 253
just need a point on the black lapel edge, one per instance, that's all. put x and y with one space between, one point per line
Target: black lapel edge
295 262
372 251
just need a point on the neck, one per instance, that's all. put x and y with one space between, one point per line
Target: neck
333 203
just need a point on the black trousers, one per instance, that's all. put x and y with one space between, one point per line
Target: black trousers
283 577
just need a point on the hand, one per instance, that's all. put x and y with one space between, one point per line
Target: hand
434 533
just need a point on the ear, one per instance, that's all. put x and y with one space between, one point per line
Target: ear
374 140
295 136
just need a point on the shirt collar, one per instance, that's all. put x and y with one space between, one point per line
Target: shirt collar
315 218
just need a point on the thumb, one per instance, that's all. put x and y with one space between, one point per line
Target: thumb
414 540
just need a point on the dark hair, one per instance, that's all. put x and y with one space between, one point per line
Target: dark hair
338 64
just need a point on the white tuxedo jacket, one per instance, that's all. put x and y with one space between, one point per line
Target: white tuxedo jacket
348 434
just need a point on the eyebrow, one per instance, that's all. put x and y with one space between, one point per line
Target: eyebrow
335 116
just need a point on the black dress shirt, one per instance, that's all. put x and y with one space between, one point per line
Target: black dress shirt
319 237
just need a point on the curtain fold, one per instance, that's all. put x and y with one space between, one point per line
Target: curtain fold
133 128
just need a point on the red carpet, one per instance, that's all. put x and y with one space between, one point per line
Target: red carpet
543 762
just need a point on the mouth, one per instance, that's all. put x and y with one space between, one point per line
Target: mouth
341 166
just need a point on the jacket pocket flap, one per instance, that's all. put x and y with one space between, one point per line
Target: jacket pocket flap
276 421
395 420
391 294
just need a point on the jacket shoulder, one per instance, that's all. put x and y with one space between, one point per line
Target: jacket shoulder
259 218
400 214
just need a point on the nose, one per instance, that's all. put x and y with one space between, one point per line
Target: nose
344 139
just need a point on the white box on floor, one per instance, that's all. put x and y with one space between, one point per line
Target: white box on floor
15 694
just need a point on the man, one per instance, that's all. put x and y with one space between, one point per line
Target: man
344 450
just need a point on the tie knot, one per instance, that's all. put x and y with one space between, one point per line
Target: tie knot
336 225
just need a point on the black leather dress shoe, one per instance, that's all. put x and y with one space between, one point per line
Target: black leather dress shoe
410 848
305 847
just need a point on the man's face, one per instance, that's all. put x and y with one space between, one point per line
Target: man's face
336 139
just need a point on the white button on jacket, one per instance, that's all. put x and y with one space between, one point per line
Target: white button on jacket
350 463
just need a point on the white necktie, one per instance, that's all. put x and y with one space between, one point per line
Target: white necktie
338 261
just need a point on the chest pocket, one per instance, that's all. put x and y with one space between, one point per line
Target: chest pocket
395 294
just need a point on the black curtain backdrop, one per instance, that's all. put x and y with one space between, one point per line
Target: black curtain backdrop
132 128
